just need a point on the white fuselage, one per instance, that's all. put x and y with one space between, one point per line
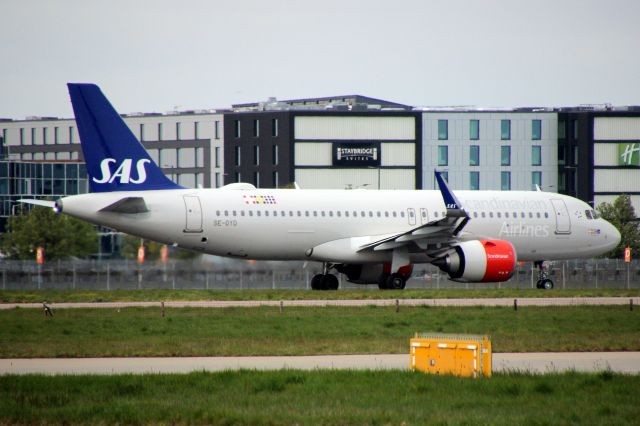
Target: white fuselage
330 225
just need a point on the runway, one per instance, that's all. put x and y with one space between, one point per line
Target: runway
621 362
526 301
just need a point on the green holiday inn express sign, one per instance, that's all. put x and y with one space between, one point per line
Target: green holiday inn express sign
629 154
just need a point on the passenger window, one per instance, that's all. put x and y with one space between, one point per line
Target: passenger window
250 213
386 214
522 215
217 212
299 213
242 213
436 214
282 213
330 213
530 215
290 213
499 215
401 214
338 213
346 213
306 213
396 214
475 214
538 215
506 214
483 215
234 213
226 213
266 213
362 213
315 213
370 214
491 215
379 214
546 215
258 213
322 213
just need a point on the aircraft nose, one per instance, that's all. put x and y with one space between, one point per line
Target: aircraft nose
612 236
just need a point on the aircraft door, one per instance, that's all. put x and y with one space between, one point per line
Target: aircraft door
424 216
411 214
193 211
563 221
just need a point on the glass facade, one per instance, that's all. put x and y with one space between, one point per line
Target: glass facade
443 155
443 130
38 180
474 130
474 181
505 130
474 155
505 155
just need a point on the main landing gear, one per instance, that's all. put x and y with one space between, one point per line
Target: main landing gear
393 281
544 282
325 280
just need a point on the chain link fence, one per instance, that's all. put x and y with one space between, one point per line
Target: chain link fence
227 274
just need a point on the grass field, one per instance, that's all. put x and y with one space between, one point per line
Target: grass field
320 397
158 295
306 330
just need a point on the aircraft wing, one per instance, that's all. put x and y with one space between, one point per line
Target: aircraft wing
438 235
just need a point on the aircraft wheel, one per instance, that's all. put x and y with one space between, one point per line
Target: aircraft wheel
539 284
317 282
547 284
331 282
396 282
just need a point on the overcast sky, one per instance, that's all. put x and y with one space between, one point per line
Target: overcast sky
158 55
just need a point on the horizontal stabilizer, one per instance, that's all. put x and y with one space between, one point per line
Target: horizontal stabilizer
127 205
43 203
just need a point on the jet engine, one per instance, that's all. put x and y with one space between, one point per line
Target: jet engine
479 261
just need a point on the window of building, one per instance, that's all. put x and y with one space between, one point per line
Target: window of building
56 136
536 130
236 128
575 130
218 183
217 156
21 136
474 155
141 132
536 155
276 183
443 130
505 155
274 127
575 155
474 181
505 130
536 179
256 179
561 155
256 128
216 129
562 129
178 131
505 181
474 130
33 136
237 156
274 155
196 128
238 177
256 155
445 176
159 131
443 155
45 136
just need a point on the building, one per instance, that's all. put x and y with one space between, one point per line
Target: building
490 150
324 148
599 153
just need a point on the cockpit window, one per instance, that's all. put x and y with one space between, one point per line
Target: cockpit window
595 214
588 214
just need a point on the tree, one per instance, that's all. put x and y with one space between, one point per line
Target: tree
60 236
622 215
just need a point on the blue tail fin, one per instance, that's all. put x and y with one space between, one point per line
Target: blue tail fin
116 160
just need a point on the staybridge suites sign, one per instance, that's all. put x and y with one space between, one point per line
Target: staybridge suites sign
356 154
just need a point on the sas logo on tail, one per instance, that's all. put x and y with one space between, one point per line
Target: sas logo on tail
123 172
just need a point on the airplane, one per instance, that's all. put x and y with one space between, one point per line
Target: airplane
370 236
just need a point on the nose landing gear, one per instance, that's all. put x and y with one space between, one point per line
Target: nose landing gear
325 280
544 282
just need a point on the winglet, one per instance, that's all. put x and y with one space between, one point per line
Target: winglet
450 200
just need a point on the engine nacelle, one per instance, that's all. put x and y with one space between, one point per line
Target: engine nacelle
370 273
479 261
